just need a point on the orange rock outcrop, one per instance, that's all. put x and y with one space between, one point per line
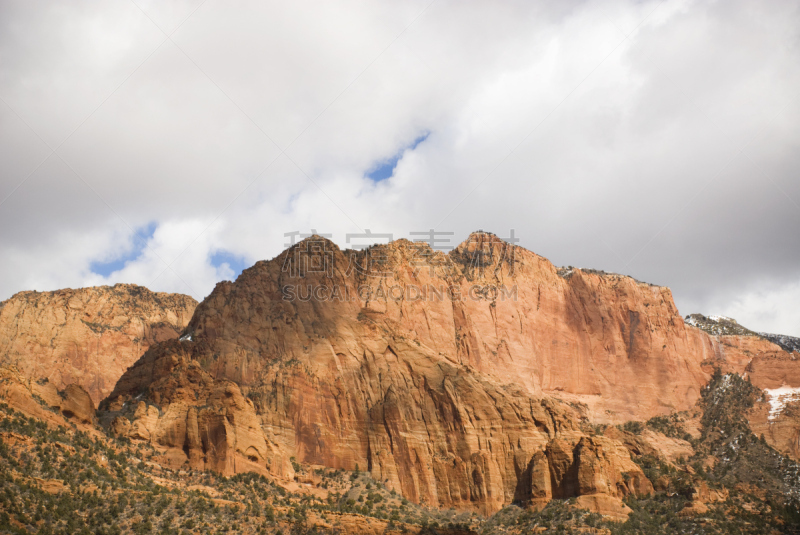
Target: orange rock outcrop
781 430
88 336
43 401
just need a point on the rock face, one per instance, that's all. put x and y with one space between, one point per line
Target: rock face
43 401
438 432
501 310
76 403
780 428
701 495
87 337
774 369
597 470
765 358
209 424
649 443
434 372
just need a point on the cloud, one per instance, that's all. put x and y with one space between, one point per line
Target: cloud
765 309
658 139
115 260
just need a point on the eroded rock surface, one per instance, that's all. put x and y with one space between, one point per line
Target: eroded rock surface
618 344
88 336
415 365
43 401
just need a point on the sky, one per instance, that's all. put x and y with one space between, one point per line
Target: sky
173 144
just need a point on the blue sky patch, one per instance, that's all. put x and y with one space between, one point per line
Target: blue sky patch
236 263
385 168
139 240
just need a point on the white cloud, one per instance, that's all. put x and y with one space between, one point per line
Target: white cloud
768 309
626 119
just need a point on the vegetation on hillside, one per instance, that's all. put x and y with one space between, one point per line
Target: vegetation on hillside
65 481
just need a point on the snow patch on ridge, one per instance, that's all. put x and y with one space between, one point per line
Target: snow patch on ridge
717 325
720 318
779 397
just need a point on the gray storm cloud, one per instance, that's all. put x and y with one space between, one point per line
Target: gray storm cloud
170 144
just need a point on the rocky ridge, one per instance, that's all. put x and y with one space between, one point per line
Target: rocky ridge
88 336
718 325
787 343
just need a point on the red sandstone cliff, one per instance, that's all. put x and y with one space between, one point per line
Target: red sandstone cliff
617 343
406 361
461 380
88 336
740 350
